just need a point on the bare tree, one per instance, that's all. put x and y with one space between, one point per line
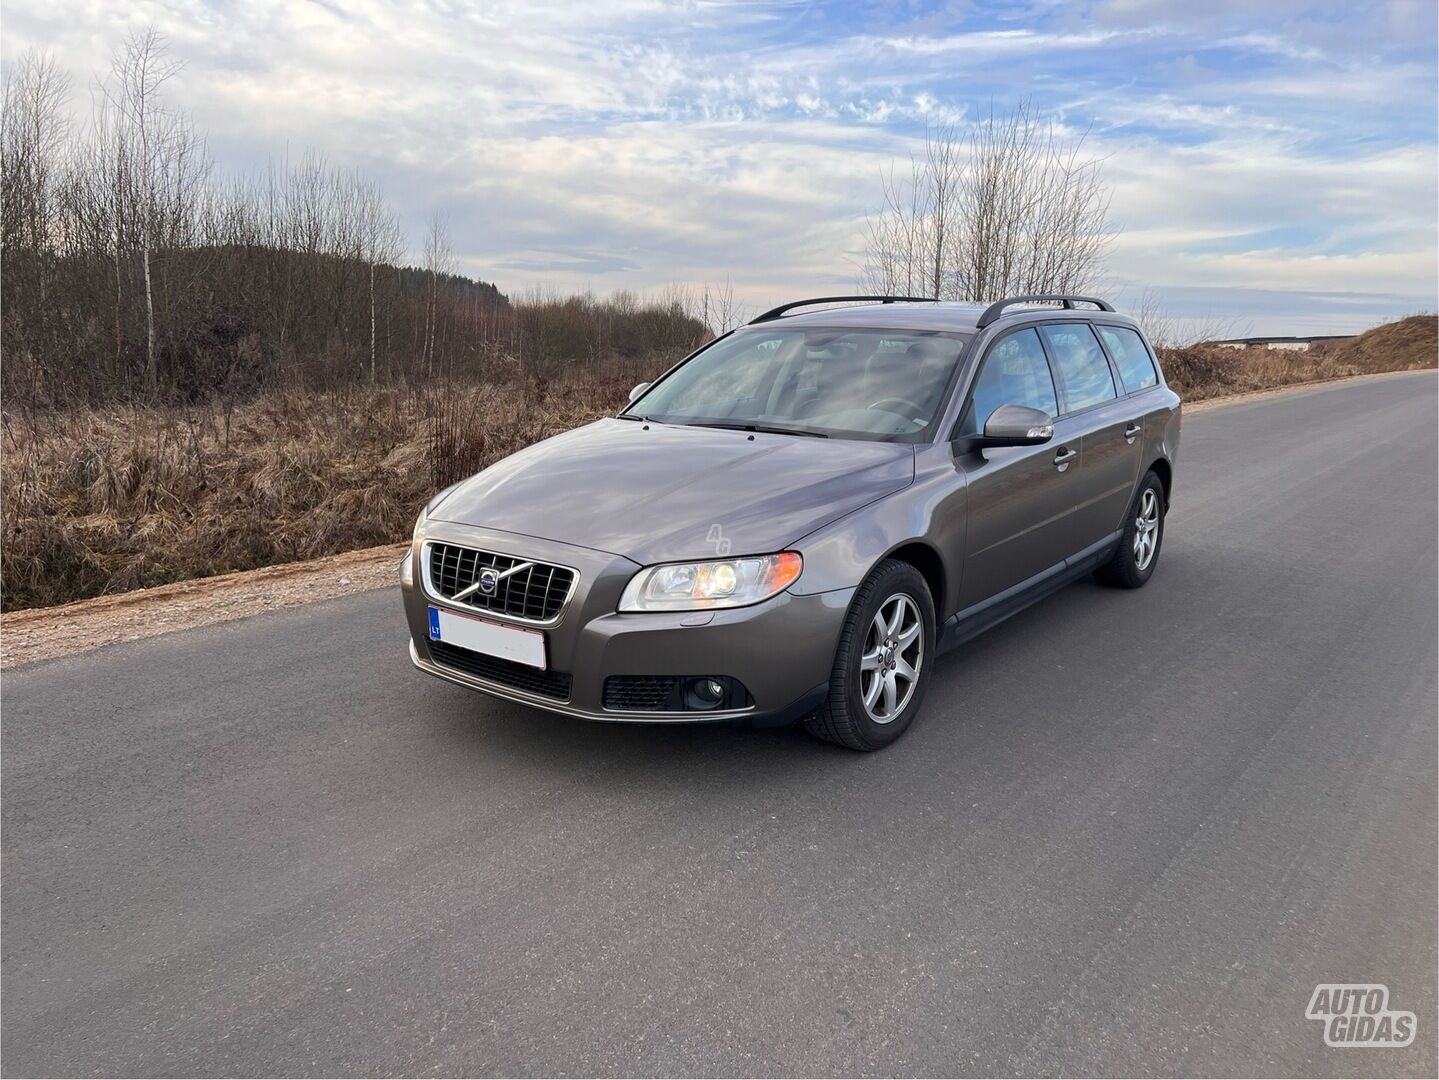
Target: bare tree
1166 330
129 271
381 243
902 241
439 262
33 135
33 131
719 310
158 165
1158 324
1012 206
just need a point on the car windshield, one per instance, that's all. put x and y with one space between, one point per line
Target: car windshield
859 384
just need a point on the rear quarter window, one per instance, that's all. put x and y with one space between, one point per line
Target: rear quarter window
1136 366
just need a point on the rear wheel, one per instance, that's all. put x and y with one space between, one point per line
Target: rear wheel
1138 552
881 667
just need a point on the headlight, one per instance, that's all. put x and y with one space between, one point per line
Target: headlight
723 583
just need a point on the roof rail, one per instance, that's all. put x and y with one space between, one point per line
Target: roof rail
775 313
994 311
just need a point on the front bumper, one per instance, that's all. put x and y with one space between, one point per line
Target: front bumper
782 650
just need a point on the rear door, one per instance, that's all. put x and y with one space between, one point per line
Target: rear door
1019 497
1108 426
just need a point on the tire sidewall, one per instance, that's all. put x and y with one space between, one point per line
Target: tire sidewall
891 579
1131 526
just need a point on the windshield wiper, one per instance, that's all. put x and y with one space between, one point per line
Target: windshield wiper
767 430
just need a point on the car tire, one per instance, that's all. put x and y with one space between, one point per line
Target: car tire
865 655
1133 564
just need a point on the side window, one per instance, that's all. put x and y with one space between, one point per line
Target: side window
1015 372
1136 366
1080 363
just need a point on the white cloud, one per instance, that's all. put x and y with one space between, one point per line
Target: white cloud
631 143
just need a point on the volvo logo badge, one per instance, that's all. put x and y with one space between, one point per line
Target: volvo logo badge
489 580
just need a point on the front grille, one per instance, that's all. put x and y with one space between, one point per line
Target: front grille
536 592
550 684
638 693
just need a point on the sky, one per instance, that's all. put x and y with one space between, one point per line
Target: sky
1272 164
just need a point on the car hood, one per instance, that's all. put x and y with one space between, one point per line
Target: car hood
662 492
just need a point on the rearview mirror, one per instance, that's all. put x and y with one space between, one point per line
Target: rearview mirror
1016 425
639 389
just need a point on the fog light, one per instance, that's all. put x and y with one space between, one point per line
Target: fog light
704 693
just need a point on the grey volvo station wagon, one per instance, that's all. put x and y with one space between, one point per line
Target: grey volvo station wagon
794 521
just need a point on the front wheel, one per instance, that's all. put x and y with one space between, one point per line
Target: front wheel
882 665
1138 552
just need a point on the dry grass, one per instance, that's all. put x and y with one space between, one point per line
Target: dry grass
101 501
1200 372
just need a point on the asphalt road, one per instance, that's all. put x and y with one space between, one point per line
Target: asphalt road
1130 834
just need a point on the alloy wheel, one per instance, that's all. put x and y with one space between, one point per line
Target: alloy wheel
1146 529
892 658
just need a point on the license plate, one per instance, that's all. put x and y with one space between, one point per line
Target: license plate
491 638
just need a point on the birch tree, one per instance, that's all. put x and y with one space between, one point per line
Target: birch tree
157 164
381 242
439 262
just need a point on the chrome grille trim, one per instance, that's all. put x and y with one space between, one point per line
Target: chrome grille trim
536 584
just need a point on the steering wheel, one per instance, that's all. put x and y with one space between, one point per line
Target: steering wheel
915 412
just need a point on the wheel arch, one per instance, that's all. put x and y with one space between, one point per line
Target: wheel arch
922 525
926 559
1161 468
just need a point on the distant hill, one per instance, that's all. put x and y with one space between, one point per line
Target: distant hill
460 287
1203 371
229 319
1409 343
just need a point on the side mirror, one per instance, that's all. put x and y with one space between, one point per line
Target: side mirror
639 389
1016 425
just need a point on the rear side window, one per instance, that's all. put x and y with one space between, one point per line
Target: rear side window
1015 372
1083 371
1136 366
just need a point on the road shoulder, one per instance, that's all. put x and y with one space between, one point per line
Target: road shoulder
50 633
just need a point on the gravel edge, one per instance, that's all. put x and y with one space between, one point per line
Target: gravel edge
49 633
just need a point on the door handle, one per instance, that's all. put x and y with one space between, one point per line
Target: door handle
1133 430
1064 457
